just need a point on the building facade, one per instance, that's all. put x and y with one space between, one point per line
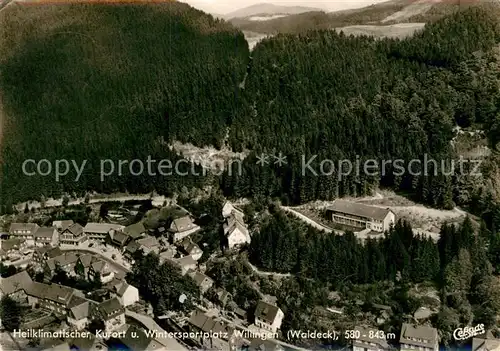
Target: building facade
420 338
361 216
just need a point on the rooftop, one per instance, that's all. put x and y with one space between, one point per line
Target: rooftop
360 210
31 227
54 292
266 312
135 230
16 282
62 225
418 335
101 228
45 232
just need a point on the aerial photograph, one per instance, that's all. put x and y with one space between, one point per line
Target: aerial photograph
249 175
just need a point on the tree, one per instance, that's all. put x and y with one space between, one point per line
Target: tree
10 313
65 201
96 325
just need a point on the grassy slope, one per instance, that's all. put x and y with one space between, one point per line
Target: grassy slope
370 15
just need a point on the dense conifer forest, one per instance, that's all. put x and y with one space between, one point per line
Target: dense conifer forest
101 82
461 266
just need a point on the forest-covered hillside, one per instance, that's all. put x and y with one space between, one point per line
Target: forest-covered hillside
98 81
102 81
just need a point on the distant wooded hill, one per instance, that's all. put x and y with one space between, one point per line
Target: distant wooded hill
119 82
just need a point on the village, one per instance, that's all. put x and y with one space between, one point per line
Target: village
74 278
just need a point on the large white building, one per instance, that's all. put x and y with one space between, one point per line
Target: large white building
377 219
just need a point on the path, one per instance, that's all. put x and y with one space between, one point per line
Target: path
307 219
156 200
256 270
161 335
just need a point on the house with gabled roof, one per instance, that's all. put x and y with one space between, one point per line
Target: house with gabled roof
361 216
126 293
118 239
24 231
135 231
46 236
111 312
235 230
203 281
45 253
185 263
229 208
73 235
53 297
15 285
62 225
191 249
66 262
418 337
268 317
101 268
182 227
11 247
80 311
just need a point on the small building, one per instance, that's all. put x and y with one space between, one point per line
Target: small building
190 248
100 231
126 293
111 312
203 281
118 239
102 269
135 231
73 235
185 263
418 338
229 208
79 312
223 296
24 231
182 227
268 316
361 216
235 230
43 254
366 343
168 254
61 226
11 246
200 321
47 236
149 244
16 285
66 262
